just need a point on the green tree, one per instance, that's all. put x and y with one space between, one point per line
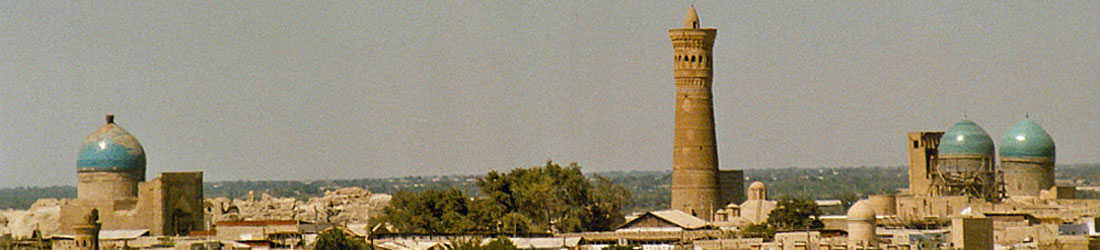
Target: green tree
623 247
5 241
791 214
429 212
553 198
488 216
500 243
847 198
608 202
337 239
760 230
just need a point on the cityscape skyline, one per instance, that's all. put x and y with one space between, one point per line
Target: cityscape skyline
258 90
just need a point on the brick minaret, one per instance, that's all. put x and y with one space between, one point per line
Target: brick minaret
695 155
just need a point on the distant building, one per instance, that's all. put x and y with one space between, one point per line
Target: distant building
111 172
755 210
954 180
271 233
960 162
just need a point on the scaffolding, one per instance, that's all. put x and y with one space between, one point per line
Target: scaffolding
967 176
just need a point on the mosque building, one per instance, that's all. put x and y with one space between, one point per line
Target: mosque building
965 163
1027 159
961 162
111 183
960 177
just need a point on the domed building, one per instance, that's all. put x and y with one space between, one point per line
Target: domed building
861 226
756 209
964 165
111 180
757 191
1027 159
110 164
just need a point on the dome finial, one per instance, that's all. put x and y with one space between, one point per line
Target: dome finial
110 118
692 20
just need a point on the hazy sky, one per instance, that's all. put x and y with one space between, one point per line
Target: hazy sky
248 90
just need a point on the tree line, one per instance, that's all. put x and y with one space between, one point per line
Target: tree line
544 199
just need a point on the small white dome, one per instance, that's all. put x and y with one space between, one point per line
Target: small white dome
861 211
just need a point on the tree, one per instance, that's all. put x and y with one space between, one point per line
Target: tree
623 247
488 216
553 198
847 199
608 202
760 230
429 212
500 243
337 239
793 214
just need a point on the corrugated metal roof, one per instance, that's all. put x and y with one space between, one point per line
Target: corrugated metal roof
112 234
408 245
680 218
544 242
676 217
122 234
257 223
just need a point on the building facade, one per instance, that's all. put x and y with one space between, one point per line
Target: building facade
922 155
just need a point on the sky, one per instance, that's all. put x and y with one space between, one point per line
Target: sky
289 90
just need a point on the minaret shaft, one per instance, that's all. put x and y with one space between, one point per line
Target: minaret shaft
695 186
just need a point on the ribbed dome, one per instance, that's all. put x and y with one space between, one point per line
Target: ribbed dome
966 138
110 148
1027 139
861 211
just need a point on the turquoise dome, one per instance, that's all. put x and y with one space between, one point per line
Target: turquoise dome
966 138
1027 139
110 148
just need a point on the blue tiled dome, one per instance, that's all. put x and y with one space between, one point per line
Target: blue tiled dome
966 138
1027 139
110 148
